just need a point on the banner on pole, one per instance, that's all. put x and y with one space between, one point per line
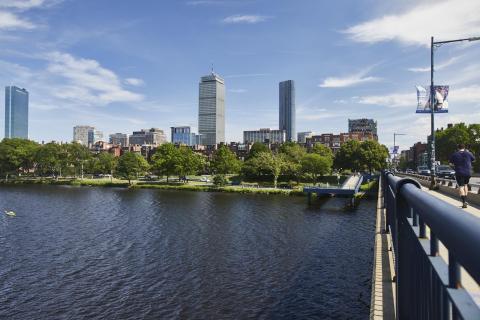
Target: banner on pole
441 99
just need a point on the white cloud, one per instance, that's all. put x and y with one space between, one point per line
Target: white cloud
449 19
348 81
88 81
439 66
469 94
390 100
134 82
11 21
249 19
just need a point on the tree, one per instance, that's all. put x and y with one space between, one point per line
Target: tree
106 163
225 161
131 165
274 165
78 154
166 160
322 150
316 165
190 162
348 157
257 147
293 154
48 158
373 155
17 155
447 140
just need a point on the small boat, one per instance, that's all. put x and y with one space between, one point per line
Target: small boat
10 213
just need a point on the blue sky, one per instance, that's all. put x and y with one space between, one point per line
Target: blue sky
126 65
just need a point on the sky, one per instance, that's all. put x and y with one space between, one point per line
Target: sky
125 65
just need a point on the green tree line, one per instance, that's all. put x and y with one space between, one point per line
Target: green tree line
19 157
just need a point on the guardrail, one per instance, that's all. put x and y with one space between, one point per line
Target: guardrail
427 286
442 181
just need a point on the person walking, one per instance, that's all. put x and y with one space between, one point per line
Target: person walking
462 162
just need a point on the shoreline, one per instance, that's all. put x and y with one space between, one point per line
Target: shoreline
365 189
146 185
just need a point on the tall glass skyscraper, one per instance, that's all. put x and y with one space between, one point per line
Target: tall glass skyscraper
16 112
287 108
211 109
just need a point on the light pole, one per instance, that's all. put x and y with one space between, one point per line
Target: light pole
433 45
394 144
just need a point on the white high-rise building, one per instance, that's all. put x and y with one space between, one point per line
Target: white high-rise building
81 134
211 109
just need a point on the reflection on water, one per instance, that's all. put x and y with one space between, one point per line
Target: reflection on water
101 253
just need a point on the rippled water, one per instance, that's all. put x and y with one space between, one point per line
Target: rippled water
99 253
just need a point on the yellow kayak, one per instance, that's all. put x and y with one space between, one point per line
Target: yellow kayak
10 213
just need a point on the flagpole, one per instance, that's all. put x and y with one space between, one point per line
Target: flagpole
432 118
433 45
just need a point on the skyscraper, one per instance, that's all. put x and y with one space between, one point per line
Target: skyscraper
16 112
211 109
287 108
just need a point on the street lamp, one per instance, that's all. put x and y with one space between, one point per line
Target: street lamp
433 45
394 144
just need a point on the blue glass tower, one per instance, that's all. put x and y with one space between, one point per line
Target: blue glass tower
287 108
16 112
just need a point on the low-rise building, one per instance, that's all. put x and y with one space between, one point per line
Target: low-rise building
119 139
366 126
335 141
302 136
151 136
183 136
264 135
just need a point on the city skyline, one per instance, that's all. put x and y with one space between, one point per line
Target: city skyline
114 72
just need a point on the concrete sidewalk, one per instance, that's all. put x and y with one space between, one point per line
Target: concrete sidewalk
472 208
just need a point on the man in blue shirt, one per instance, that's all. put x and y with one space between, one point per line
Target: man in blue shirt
462 161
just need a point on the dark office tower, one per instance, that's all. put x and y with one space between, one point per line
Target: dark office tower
287 108
16 112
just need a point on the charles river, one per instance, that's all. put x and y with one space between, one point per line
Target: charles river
103 253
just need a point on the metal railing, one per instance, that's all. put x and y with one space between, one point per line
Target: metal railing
442 181
428 287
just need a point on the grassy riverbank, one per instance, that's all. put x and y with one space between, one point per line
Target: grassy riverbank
190 186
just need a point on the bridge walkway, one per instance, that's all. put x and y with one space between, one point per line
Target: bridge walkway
351 182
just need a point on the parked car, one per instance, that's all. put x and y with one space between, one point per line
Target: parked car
445 172
409 171
423 170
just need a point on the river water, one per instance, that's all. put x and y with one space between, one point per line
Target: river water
102 253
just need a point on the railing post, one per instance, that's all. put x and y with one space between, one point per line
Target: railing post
433 244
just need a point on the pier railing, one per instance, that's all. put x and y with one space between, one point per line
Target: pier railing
428 286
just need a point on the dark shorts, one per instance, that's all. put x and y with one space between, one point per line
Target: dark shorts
462 180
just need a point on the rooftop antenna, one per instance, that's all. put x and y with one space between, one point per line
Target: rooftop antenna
213 72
